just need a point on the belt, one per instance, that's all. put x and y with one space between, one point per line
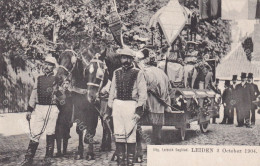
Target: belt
45 104
190 63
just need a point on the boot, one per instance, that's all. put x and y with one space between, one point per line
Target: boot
130 154
49 150
213 120
224 121
58 142
121 154
30 153
157 131
65 145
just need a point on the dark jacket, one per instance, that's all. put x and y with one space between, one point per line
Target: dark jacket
254 92
233 95
226 97
243 97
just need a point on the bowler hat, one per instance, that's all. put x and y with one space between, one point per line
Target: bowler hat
227 82
250 75
234 78
243 75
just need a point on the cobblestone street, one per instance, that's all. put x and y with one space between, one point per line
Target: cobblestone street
13 146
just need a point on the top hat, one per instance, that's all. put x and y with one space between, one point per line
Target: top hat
145 53
227 82
217 80
250 75
234 78
243 75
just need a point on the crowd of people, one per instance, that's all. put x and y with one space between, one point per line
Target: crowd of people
240 97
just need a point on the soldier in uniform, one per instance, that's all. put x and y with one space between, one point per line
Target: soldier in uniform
44 112
232 100
254 95
128 93
243 102
226 101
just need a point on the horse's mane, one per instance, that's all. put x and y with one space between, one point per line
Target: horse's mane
79 74
112 61
78 77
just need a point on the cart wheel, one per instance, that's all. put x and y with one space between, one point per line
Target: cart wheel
204 127
183 133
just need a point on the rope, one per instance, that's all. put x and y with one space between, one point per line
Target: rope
46 120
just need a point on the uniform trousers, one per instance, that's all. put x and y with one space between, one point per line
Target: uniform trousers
39 120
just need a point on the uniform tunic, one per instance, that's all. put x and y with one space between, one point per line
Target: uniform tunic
42 101
124 98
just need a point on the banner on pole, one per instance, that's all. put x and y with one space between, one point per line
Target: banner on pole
115 25
172 20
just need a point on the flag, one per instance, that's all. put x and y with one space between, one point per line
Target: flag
172 20
257 16
210 9
204 9
234 9
215 8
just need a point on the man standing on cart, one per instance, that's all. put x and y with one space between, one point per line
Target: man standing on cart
128 93
190 73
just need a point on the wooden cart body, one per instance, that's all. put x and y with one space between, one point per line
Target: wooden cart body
182 119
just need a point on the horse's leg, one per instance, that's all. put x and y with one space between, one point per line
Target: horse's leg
91 131
103 143
65 145
139 150
79 154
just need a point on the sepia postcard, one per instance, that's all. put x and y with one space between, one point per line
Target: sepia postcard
129 82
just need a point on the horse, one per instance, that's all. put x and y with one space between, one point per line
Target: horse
87 79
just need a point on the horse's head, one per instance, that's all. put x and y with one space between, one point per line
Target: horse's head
95 76
66 61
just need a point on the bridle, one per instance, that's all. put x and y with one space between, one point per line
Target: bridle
100 72
73 64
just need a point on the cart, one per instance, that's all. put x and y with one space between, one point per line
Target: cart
200 106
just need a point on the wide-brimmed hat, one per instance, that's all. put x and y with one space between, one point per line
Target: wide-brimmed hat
50 59
250 75
191 43
227 82
243 75
126 51
234 78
